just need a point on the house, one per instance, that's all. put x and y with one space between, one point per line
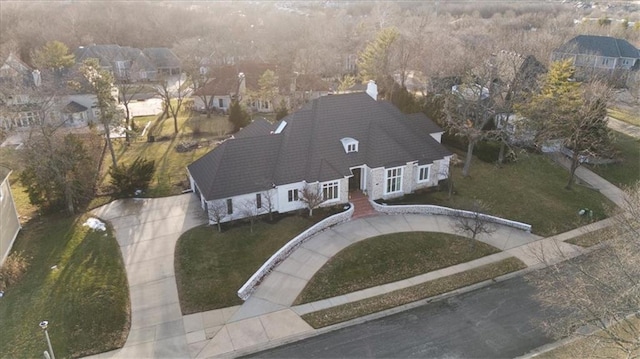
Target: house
25 101
9 222
18 108
599 56
333 145
132 64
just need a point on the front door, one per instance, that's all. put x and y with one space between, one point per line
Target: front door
354 181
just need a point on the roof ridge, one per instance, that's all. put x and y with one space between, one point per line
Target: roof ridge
615 40
312 141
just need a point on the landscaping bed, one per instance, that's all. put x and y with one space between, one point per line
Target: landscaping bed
211 266
399 297
389 258
76 280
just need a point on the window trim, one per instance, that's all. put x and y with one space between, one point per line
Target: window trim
332 187
396 176
293 195
419 174
229 206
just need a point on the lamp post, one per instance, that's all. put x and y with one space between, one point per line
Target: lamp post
43 325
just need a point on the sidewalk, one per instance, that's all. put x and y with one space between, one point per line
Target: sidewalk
621 126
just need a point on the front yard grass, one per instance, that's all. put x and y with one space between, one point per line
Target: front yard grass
211 266
626 172
85 298
399 297
389 258
592 238
529 190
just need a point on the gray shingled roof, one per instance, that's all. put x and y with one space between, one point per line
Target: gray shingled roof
259 127
599 45
309 147
162 57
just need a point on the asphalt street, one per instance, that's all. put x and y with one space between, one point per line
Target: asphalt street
493 322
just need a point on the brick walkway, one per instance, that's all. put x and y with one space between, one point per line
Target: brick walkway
362 206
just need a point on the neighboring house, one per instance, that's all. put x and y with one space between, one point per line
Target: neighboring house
18 107
238 81
599 56
334 144
9 222
132 64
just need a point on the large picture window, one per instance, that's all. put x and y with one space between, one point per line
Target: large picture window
393 181
330 190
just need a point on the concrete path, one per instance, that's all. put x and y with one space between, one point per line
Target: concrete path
613 193
621 126
147 231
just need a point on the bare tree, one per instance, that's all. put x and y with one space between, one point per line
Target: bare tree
101 82
469 109
250 211
598 294
269 203
312 196
474 224
217 212
127 93
173 94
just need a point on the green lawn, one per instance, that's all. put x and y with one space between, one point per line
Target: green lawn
592 238
530 190
389 258
624 115
170 176
211 266
85 300
399 297
627 172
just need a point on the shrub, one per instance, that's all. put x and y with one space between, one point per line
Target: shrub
12 270
135 177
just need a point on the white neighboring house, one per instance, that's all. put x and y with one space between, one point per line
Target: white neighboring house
9 222
335 144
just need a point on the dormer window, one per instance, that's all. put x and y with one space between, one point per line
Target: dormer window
349 144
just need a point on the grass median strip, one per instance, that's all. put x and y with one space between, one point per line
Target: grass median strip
366 264
592 238
399 297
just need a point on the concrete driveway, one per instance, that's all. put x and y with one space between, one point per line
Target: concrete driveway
147 231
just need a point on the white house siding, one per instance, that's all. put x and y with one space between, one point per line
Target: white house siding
409 178
375 183
226 102
240 204
8 220
283 197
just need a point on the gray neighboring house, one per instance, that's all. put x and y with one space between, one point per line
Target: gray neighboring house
334 144
9 222
599 56
132 64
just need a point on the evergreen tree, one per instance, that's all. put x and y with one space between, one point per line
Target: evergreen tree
375 61
238 116
282 111
54 55
570 112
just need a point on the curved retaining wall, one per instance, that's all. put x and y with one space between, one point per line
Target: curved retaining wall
247 289
430 209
